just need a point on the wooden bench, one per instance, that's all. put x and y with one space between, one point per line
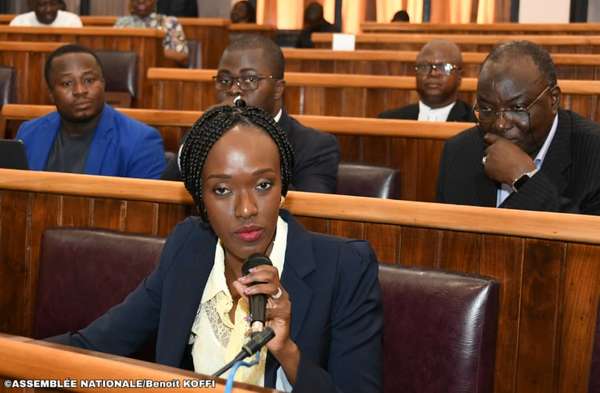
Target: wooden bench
28 60
339 94
467 42
548 264
414 148
146 43
392 62
483 28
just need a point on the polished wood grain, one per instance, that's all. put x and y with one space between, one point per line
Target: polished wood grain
146 43
483 28
467 42
22 358
340 94
28 60
397 62
548 264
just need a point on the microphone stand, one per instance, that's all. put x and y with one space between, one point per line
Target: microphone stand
257 341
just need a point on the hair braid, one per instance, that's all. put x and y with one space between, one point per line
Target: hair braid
211 127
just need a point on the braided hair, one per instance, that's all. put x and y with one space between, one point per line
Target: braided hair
209 128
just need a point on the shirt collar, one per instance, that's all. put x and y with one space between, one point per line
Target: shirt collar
216 280
278 115
539 158
434 114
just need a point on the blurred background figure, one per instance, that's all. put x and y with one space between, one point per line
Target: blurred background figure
243 12
314 22
401 16
47 13
144 15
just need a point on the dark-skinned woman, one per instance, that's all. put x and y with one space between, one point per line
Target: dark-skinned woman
323 293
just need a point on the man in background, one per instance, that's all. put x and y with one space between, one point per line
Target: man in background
438 73
46 13
144 15
85 135
314 22
526 153
252 67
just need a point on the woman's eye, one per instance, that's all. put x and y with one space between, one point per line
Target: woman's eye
221 191
67 83
264 185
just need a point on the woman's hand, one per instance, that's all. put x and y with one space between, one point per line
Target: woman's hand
279 314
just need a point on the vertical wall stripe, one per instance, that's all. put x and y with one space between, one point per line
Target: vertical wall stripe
579 11
426 10
514 11
338 15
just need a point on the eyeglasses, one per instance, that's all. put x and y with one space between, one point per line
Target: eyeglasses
443 68
244 82
518 114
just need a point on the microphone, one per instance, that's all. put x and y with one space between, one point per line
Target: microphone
258 303
257 341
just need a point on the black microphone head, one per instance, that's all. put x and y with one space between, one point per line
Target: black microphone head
255 260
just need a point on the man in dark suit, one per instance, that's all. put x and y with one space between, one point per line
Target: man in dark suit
438 72
252 67
526 153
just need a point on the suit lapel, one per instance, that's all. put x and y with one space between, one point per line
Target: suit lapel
185 290
558 158
299 262
101 142
44 138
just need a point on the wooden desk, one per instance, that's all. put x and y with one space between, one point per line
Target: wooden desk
393 62
548 264
147 43
467 42
22 358
483 28
412 147
339 94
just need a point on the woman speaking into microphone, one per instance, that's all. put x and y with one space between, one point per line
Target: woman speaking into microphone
323 297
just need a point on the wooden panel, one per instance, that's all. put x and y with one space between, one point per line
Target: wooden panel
467 42
342 94
401 63
548 264
581 293
538 343
483 28
502 258
146 43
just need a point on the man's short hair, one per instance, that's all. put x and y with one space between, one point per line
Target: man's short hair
63 50
271 50
517 49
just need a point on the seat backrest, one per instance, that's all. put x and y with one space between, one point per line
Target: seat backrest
594 386
8 88
84 272
120 74
439 331
368 181
194 54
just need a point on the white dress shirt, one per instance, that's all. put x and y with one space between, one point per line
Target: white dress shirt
427 113
63 19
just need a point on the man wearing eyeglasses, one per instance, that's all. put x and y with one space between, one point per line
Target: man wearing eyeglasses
526 152
438 73
252 67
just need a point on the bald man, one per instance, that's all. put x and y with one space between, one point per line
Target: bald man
438 71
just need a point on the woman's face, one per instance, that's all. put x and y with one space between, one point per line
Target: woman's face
241 183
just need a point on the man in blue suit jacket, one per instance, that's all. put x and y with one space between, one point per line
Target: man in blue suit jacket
86 135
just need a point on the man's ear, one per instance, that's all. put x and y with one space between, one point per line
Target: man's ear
279 89
555 96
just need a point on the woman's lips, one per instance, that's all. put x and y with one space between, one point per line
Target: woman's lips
249 235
